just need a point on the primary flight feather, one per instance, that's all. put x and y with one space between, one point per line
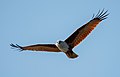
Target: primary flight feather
72 41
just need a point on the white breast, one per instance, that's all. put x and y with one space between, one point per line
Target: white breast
62 46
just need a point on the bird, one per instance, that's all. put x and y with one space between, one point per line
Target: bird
72 41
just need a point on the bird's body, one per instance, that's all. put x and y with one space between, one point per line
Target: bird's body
72 41
64 47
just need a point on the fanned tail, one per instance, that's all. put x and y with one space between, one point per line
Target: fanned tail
71 54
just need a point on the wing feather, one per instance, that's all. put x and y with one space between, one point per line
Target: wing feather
82 32
38 47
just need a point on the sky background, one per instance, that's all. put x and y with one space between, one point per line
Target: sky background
27 22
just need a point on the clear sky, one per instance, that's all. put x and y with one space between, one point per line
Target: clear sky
27 22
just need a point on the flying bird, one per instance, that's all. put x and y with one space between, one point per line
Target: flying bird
73 40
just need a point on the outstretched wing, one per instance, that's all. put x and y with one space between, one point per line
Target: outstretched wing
38 47
83 31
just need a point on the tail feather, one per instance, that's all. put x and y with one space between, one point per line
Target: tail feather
71 54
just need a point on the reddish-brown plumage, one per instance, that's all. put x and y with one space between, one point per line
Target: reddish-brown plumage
72 41
39 47
82 32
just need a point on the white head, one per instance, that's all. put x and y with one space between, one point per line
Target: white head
62 46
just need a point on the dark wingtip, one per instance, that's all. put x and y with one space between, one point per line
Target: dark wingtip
101 15
16 46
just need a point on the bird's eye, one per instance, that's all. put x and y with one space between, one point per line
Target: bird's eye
59 42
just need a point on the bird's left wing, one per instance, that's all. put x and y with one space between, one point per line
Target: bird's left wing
38 47
83 31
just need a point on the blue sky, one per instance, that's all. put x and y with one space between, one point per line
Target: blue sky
27 22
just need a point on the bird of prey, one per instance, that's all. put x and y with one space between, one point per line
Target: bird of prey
73 40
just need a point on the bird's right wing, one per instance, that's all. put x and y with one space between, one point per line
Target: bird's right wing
38 47
82 32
